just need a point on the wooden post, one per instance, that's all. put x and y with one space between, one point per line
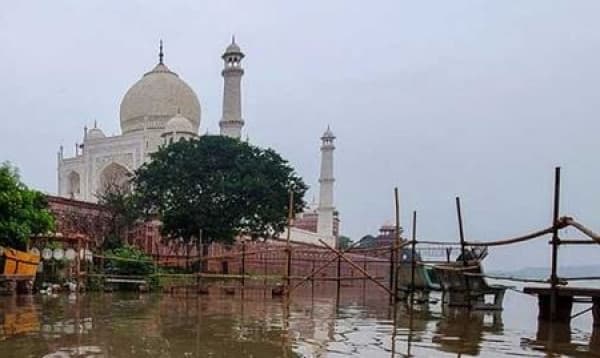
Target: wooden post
364 283
339 275
243 262
394 252
312 280
462 248
157 257
288 246
78 263
461 232
413 256
555 243
265 257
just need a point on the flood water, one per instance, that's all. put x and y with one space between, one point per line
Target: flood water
358 324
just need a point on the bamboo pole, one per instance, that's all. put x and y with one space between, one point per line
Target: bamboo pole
312 280
413 256
358 268
288 271
234 255
461 232
364 279
555 243
243 262
394 251
462 247
339 274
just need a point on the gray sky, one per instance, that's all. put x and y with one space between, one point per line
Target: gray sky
441 98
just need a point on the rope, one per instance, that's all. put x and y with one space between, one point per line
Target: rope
122 258
582 312
513 240
582 228
441 243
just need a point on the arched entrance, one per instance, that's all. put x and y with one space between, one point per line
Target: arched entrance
114 177
73 185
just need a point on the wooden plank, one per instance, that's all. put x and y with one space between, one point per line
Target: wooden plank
16 277
564 291
121 280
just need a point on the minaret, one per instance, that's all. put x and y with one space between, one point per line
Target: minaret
231 122
326 208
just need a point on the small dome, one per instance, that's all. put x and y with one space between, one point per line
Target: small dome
233 48
328 134
95 133
179 124
155 98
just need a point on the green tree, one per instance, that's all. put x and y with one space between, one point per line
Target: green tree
23 212
344 242
220 187
121 213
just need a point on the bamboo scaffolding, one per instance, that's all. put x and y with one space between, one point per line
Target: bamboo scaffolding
321 268
358 268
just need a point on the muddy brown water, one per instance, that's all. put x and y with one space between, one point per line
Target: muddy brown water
358 324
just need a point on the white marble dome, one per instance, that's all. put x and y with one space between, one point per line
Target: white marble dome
179 124
95 133
156 98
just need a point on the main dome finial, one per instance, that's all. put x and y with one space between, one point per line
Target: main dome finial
161 55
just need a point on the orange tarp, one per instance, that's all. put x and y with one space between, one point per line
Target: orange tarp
20 263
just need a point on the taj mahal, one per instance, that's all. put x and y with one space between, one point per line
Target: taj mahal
161 108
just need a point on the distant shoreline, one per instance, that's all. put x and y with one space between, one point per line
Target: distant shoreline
544 272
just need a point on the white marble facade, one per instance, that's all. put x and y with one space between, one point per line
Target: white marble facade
158 109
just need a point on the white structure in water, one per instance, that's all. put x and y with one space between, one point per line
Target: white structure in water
161 108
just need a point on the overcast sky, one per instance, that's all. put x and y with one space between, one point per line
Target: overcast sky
441 98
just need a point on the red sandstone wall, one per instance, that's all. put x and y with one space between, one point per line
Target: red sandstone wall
78 217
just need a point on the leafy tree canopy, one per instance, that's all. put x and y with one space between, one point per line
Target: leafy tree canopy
219 186
23 212
344 242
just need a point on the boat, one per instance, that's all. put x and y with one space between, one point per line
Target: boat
17 270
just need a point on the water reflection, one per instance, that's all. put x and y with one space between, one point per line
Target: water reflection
463 331
561 338
253 324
